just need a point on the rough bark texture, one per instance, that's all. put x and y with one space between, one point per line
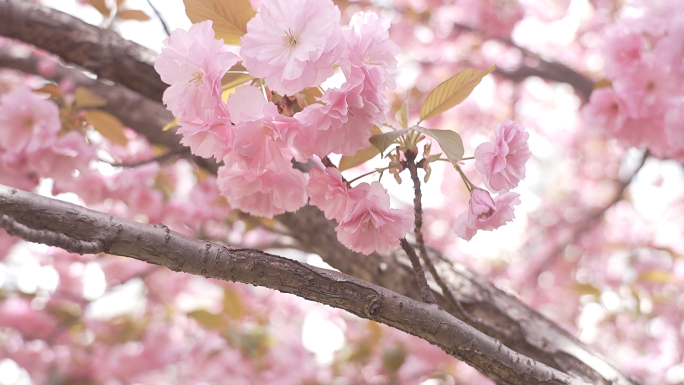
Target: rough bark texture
80 230
480 303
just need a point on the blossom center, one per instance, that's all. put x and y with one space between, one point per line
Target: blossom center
197 77
291 38
486 215
28 123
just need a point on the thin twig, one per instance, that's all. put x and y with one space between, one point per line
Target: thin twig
161 19
420 242
425 290
588 224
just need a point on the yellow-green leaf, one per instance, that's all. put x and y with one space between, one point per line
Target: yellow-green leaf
310 95
132 14
361 156
586 289
229 17
51 90
108 125
84 98
657 276
449 141
101 6
452 92
232 303
206 319
233 80
401 117
171 125
385 139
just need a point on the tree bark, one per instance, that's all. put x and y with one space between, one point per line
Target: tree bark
481 304
80 230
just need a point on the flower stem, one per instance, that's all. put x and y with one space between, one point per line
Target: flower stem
468 183
368 173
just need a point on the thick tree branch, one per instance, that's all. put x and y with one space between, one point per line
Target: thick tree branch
81 230
486 308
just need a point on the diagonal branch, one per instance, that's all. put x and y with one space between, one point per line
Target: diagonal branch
484 306
80 230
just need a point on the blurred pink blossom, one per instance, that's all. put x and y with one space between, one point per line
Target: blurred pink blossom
28 123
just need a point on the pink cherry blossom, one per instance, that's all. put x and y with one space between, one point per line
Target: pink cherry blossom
266 193
293 44
368 45
330 192
68 154
371 225
193 63
210 138
343 123
262 135
28 123
485 213
503 162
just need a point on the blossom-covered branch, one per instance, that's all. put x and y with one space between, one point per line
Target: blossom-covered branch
57 223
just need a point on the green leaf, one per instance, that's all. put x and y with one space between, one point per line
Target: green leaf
84 98
361 156
101 6
229 17
108 125
132 14
452 92
401 117
206 319
384 140
449 141
586 289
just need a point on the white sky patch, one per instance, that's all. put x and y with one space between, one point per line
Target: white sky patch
128 298
321 337
13 374
94 283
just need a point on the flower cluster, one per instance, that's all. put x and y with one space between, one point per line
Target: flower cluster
642 107
502 162
292 46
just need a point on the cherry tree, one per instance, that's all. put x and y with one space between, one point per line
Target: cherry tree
480 191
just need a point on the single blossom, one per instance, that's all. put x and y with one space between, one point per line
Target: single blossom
485 212
69 154
329 192
371 225
503 162
262 135
368 45
28 123
266 193
293 44
193 63
210 138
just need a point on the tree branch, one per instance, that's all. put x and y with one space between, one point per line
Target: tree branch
544 69
80 230
489 309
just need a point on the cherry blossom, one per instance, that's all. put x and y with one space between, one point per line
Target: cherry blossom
293 44
330 193
503 162
193 63
28 123
371 225
485 213
262 135
265 193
